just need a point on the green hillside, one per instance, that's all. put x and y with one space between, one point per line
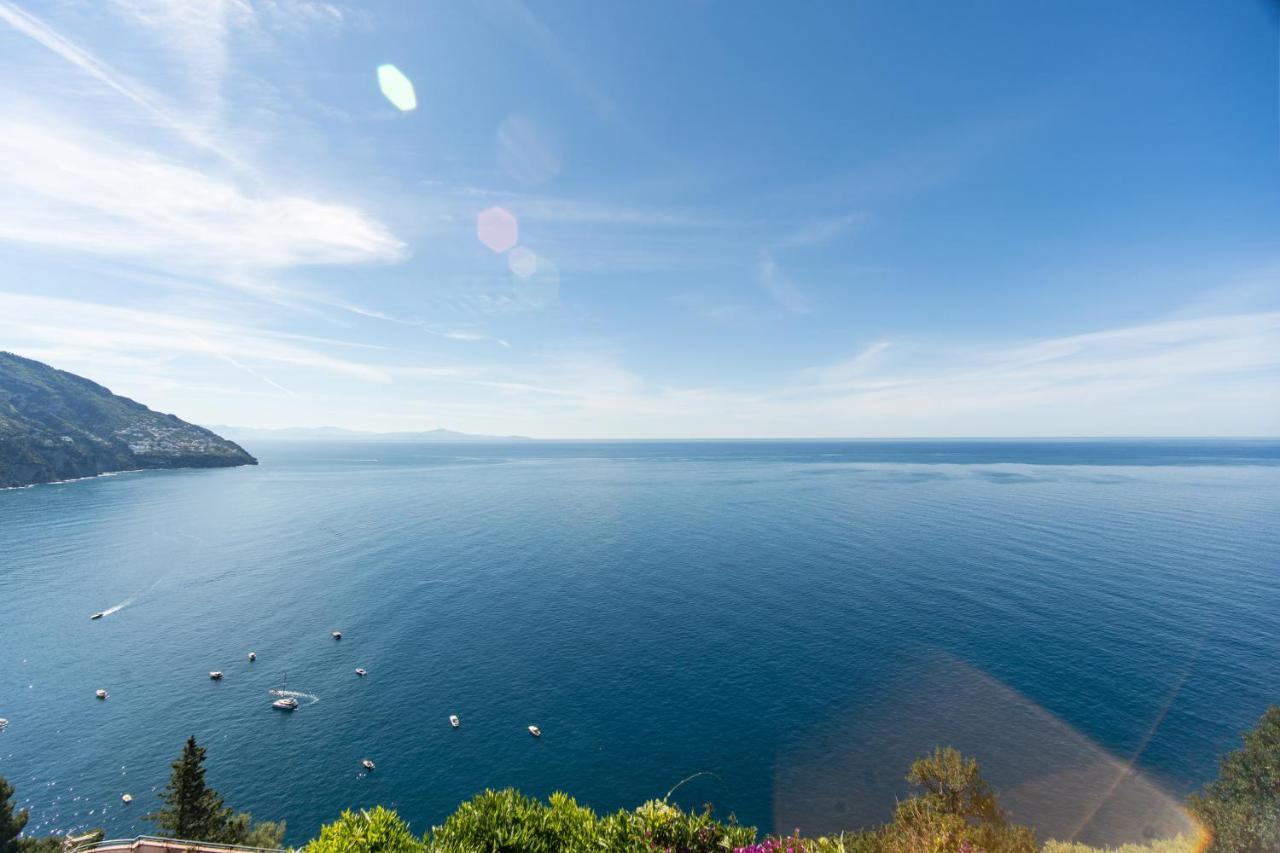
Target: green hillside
55 425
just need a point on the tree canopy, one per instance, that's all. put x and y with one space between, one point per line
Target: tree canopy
11 822
1240 809
193 810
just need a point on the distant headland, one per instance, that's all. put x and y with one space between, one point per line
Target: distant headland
339 434
55 425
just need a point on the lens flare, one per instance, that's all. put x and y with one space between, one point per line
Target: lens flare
497 229
522 262
540 289
397 88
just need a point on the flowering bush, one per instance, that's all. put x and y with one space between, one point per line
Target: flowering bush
777 845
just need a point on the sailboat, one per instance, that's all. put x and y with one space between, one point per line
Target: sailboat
285 703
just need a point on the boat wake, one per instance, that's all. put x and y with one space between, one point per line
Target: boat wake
116 608
309 698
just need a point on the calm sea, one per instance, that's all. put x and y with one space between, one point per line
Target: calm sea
1095 621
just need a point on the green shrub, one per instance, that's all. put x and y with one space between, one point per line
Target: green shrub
1240 809
377 830
1179 844
502 821
658 825
509 822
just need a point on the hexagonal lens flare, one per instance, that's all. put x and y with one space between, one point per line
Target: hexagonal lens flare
397 88
522 262
539 290
497 229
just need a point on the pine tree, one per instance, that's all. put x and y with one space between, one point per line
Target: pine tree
11 823
192 809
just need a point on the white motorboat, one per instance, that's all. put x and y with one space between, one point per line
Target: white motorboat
368 765
101 694
126 799
216 674
535 731
337 635
97 616
454 721
360 671
3 722
253 656
285 703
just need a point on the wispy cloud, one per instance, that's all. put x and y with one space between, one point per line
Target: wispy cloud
85 335
1088 383
780 287
152 104
821 231
67 191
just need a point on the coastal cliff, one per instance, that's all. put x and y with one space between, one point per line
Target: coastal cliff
55 425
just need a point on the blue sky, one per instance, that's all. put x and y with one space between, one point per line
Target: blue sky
732 219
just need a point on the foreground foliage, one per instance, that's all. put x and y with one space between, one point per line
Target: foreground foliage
11 822
1241 808
378 830
192 810
955 812
1179 844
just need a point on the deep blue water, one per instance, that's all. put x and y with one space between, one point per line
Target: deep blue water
798 618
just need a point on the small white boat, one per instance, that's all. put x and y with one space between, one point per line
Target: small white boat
360 671
3 722
454 721
216 674
337 635
126 799
101 694
535 731
253 656
97 615
368 765
285 703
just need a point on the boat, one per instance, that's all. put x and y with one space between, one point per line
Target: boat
98 615
284 703
101 694
337 635
535 731
253 656
216 674
368 765
360 671
3 722
126 799
454 721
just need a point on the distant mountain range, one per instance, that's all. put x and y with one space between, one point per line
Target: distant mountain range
55 425
339 434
